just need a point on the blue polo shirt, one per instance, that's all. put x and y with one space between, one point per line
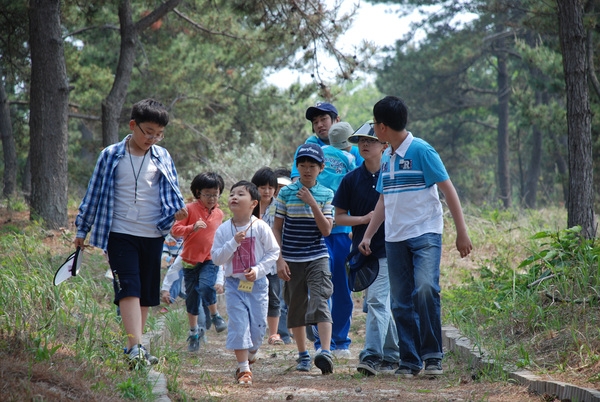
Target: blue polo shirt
358 195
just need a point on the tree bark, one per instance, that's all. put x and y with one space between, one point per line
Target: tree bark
502 136
8 146
49 97
113 103
579 117
535 161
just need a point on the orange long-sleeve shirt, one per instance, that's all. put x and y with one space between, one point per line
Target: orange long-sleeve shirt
197 245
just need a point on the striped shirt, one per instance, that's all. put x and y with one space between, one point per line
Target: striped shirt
97 207
408 183
302 240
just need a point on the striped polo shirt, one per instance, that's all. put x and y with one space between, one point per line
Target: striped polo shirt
408 183
302 239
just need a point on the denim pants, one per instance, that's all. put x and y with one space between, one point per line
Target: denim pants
381 336
200 290
414 272
247 314
341 303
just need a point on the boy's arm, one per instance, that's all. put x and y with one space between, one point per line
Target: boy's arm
376 221
463 242
324 224
343 219
283 271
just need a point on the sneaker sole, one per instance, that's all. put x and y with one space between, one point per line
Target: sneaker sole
433 372
366 371
324 364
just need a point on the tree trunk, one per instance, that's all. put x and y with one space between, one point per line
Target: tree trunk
579 118
8 146
49 99
503 138
535 161
113 104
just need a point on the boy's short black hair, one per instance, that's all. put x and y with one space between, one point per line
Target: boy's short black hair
283 172
251 187
150 110
392 112
206 180
265 177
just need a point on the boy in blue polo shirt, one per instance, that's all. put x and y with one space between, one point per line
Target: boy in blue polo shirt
411 174
303 216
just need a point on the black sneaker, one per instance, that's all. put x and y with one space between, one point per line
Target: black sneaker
433 367
368 366
193 343
150 358
387 367
324 362
406 372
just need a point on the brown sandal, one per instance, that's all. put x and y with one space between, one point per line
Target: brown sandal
275 340
244 378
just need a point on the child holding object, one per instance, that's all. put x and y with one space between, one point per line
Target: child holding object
247 249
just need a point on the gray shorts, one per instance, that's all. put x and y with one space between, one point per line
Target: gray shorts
308 278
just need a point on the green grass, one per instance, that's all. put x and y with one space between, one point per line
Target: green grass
530 296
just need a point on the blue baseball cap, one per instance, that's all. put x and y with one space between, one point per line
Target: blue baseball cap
312 151
320 108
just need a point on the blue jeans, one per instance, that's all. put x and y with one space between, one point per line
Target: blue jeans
341 303
381 337
282 330
414 272
200 290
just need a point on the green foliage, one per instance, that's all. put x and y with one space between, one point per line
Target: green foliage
534 304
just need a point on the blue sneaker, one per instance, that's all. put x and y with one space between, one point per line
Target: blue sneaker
324 362
304 364
193 343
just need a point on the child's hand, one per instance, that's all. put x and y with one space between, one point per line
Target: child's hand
181 214
365 246
239 237
200 224
463 244
283 270
165 296
305 195
219 288
250 275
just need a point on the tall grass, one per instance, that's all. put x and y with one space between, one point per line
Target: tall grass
76 318
530 291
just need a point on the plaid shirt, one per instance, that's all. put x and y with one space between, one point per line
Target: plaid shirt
97 206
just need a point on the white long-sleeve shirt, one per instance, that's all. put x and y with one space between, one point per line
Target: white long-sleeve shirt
236 257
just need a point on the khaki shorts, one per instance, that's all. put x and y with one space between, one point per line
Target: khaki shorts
314 278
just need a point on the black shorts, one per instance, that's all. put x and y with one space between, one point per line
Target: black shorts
135 262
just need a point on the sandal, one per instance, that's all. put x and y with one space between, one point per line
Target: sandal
244 378
275 340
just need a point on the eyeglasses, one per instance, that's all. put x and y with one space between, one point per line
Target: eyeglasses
151 137
209 196
364 140
373 123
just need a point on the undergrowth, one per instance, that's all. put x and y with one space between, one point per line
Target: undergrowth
533 304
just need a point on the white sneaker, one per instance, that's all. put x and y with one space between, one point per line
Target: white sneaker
342 353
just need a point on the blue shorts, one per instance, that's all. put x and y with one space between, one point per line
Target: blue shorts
135 262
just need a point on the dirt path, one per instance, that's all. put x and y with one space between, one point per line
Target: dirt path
209 375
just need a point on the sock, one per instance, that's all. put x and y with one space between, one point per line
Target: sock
244 366
194 331
214 315
325 351
252 355
304 355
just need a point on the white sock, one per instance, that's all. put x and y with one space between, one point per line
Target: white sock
194 331
252 355
244 366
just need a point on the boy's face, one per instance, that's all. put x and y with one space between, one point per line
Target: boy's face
321 125
145 134
209 197
266 193
370 147
240 202
309 172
